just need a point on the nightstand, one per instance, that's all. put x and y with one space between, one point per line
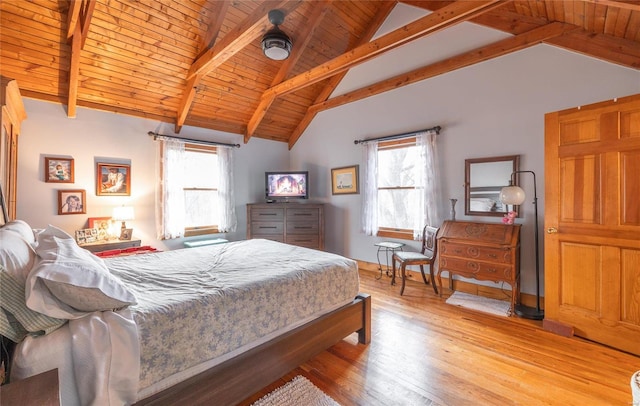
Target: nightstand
111 245
42 389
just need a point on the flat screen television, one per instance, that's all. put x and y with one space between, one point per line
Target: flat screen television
283 186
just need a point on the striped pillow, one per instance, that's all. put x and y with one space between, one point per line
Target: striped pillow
16 319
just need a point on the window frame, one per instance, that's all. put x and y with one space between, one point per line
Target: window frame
208 229
393 232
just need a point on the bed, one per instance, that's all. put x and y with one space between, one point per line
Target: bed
212 324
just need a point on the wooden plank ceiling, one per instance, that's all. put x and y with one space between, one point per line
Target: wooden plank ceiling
199 62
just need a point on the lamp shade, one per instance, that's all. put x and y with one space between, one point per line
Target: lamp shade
122 213
512 195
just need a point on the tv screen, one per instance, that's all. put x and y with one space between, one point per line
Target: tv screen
287 185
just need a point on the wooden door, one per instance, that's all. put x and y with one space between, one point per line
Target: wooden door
592 221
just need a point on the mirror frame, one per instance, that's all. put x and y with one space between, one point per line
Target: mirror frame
515 163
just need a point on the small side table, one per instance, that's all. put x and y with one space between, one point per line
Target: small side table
388 248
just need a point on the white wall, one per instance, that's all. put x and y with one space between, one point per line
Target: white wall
97 136
490 109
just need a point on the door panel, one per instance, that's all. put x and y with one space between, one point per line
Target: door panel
592 212
580 189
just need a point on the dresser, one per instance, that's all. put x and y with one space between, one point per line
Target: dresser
483 251
292 223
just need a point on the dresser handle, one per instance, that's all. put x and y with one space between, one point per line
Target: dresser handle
270 227
492 255
492 270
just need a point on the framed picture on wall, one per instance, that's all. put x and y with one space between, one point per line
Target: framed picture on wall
72 201
344 180
58 170
113 179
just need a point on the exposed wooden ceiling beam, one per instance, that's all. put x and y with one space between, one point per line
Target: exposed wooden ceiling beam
482 54
319 11
79 19
446 17
634 6
619 51
254 26
219 10
327 90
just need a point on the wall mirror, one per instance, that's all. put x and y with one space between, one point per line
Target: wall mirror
484 178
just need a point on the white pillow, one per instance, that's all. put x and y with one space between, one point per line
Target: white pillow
16 255
21 228
70 282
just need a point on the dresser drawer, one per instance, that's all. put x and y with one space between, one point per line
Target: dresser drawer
267 227
302 227
303 214
274 214
477 269
301 240
477 252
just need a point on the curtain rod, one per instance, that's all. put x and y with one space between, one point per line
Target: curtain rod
156 135
393 137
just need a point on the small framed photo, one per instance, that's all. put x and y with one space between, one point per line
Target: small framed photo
126 234
113 179
58 170
86 236
103 225
72 201
344 180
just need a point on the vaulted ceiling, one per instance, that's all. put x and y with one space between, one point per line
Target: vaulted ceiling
200 63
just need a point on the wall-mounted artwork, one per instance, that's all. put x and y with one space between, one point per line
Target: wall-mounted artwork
58 170
113 179
72 201
344 180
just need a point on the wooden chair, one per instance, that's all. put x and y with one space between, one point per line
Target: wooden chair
427 256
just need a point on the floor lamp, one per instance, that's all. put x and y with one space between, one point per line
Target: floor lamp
514 195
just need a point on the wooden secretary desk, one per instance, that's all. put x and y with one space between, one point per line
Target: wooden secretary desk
483 251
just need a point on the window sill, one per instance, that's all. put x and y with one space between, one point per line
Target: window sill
397 234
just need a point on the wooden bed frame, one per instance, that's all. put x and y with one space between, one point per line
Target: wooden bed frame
238 378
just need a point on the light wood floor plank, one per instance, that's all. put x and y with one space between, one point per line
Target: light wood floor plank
426 352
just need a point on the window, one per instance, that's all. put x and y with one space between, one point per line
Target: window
399 186
195 195
397 195
201 180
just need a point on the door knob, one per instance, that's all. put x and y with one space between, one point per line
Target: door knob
552 230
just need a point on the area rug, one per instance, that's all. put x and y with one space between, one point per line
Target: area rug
483 304
297 392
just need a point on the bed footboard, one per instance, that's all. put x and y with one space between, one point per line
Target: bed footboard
234 380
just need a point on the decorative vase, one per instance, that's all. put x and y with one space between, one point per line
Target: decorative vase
453 209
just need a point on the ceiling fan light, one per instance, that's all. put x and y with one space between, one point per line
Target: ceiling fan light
276 44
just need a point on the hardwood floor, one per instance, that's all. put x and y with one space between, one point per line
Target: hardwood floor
425 352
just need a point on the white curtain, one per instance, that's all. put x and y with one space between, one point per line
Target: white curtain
226 201
370 189
170 204
426 176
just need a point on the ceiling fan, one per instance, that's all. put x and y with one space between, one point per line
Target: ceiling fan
276 44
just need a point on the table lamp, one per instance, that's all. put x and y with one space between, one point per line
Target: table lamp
123 213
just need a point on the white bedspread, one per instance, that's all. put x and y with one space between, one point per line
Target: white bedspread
198 305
